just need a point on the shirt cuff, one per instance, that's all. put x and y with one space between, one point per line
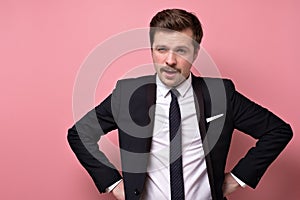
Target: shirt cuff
110 188
241 183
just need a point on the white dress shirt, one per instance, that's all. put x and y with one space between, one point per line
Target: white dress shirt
196 184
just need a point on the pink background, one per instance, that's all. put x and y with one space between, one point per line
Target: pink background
43 43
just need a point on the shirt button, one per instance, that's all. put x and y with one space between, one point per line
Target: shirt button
136 192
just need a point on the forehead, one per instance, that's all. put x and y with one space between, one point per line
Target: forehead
173 38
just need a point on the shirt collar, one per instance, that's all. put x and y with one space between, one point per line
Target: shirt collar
182 88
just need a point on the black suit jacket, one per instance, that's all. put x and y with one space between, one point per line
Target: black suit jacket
130 109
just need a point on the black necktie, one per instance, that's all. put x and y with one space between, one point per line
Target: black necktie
176 174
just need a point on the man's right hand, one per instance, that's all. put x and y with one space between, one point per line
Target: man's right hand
118 191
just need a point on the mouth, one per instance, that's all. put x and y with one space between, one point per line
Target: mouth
169 72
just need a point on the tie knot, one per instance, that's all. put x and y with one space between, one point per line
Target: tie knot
174 93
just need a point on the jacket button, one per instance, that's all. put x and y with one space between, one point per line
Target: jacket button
136 192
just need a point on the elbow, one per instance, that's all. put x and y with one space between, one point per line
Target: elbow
285 134
289 132
72 136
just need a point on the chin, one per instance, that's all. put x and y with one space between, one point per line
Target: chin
172 83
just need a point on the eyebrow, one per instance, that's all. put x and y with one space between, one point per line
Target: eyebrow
184 47
176 47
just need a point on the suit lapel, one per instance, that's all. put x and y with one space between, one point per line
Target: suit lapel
142 110
202 105
203 108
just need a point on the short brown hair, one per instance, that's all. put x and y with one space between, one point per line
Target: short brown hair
176 20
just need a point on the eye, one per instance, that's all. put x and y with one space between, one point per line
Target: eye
162 49
181 51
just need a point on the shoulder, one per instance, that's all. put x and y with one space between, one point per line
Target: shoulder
126 87
136 82
137 79
215 82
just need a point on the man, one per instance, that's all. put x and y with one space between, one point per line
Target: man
205 111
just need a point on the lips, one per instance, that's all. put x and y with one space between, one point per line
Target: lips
169 70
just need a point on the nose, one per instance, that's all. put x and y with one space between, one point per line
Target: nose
171 59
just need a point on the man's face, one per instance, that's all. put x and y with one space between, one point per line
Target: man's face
173 54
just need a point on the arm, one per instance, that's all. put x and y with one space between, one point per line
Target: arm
83 138
272 135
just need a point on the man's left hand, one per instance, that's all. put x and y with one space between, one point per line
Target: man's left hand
230 185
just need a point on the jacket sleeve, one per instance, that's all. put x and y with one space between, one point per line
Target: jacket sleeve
271 132
83 138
